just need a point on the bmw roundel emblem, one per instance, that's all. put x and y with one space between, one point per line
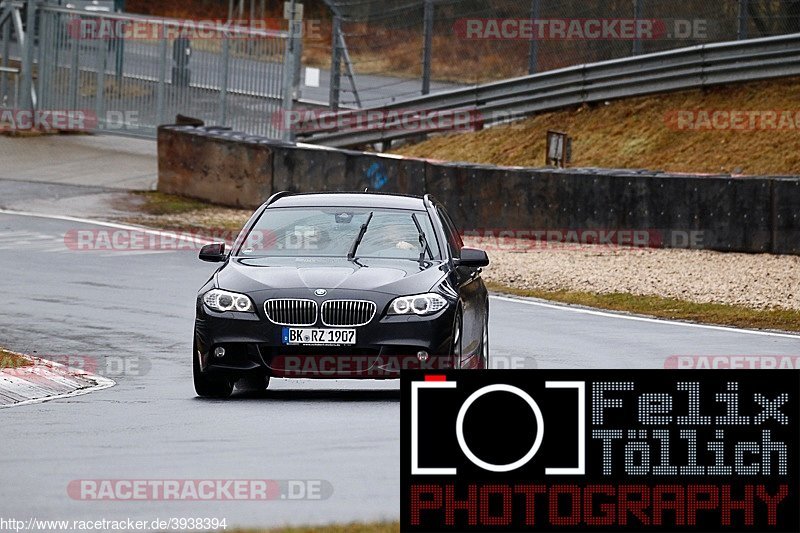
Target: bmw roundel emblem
320 292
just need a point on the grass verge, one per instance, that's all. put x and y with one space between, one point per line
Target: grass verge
176 213
158 204
12 360
378 527
668 308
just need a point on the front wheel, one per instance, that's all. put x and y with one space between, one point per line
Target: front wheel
207 386
485 342
458 332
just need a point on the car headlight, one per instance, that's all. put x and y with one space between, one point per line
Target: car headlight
421 304
222 301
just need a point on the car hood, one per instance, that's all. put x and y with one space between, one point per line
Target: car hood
379 275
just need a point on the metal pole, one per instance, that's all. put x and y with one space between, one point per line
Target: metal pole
298 65
162 79
348 63
74 73
638 14
289 68
427 49
6 50
743 19
100 97
119 44
533 54
45 38
223 88
27 58
336 64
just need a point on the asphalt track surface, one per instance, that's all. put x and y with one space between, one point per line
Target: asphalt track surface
139 306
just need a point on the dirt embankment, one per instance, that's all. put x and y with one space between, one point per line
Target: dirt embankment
749 129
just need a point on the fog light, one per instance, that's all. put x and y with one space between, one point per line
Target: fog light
423 356
219 352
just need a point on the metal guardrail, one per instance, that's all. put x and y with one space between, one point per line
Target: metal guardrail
685 68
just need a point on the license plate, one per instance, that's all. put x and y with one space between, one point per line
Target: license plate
333 337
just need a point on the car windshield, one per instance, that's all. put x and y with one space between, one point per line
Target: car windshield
332 232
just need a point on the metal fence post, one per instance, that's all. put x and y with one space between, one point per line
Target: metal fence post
162 78
74 72
289 67
44 45
100 96
223 86
533 54
638 13
298 65
27 58
336 64
350 72
743 19
5 51
427 47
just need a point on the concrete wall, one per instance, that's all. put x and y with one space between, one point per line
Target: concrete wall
215 165
711 212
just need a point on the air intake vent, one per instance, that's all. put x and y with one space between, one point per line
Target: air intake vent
291 312
347 313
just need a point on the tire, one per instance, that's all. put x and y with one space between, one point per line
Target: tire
458 336
256 383
207 386
485 342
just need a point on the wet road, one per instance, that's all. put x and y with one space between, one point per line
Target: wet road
134 306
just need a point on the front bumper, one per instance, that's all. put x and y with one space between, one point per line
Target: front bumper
385 346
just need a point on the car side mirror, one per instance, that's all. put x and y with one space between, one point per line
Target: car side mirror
472 258
213 253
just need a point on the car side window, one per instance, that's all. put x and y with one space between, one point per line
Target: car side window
453 237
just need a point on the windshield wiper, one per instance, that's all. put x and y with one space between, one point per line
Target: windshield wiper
352 253
423 242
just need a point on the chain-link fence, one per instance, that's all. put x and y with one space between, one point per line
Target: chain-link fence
387 50
127 74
